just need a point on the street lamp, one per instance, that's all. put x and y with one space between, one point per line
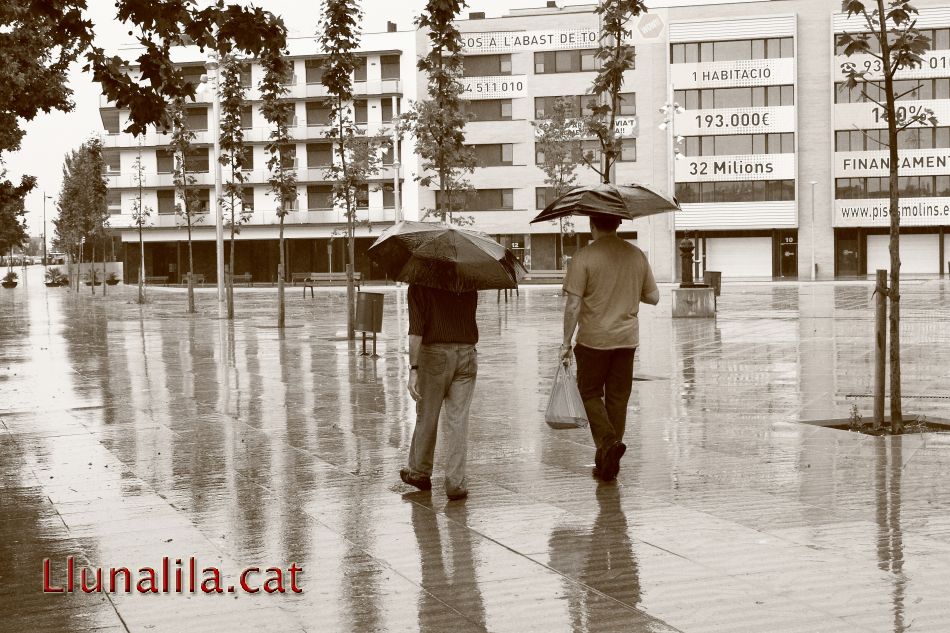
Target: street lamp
814 272
210 81
669 110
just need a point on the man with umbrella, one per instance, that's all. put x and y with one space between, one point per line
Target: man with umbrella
605 283
445 267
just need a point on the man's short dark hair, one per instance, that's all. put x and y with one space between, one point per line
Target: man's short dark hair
605 223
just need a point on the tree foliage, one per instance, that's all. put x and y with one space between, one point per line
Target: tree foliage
438 122
889 35
12 212
83 214
233 153
615 56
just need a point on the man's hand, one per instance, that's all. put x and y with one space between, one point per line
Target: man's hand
414 385
566 354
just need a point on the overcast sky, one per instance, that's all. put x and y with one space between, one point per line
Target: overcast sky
50 136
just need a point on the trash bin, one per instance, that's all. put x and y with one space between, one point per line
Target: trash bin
713 279
369 312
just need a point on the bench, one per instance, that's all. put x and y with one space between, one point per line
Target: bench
295 277
157 279
315 279
197 278
545 275
243 277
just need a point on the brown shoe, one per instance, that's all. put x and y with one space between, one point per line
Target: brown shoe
421 482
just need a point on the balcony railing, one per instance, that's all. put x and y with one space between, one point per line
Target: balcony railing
259 217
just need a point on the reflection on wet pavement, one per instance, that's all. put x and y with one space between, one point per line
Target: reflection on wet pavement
132 433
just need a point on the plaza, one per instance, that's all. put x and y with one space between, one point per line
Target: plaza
131 433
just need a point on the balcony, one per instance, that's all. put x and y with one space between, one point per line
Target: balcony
381 87
153 180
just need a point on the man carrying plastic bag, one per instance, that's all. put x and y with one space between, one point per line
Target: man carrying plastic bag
605 284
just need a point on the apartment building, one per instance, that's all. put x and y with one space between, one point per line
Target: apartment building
737 107
383 82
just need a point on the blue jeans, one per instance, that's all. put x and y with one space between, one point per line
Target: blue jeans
446 384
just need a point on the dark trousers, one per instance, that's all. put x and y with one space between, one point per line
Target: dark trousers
605 380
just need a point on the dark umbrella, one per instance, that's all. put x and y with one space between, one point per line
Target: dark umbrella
444 257
624 201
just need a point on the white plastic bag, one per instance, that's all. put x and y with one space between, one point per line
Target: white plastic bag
565 407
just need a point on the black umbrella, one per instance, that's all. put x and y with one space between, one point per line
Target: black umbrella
627 202
444 257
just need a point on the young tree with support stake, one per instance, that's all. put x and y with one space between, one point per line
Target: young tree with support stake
616 57
890 37
279 111
233 156
357 156
558 138
140 216
182 138
438 123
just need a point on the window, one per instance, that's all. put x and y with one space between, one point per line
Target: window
490 155
577 104
203 201
489 109
389 195
362 197
288 157
319 155
246 79
628 104
628 151
196 161
876 140
166 201
909 186
318 113
491 200
112 162
193 74
905 89
735 97
731 50
247 117
543 196
359 73
735 191
248 158
319 197
737 144
114 202
386 107
360 112
389 66
389 154
196 118
314 70
247 199
290 79
570 61
165 160
486 65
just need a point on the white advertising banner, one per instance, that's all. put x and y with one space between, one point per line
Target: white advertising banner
875 212
747 167
868 116
744 72
916 162
627 126
760 120
518 41
500 87
935 64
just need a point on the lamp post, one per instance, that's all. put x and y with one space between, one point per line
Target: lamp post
814 273
396 193
211 83
669 111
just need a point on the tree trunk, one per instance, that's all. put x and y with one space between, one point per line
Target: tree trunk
141 265
280 273
231 275
897 422
191 270
92 270
350 288
104 284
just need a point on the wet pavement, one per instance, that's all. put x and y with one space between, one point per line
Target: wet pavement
130 433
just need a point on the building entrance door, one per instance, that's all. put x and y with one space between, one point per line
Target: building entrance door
788 258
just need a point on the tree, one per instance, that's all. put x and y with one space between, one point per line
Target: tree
279 111
40 39
233 154
438 123
892 38
357 156
558 138
83 213
615 57
188 208
12 212
140 216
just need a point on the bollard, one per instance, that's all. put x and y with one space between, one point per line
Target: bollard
880 345
686 263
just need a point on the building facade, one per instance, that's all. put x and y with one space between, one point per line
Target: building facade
738 107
